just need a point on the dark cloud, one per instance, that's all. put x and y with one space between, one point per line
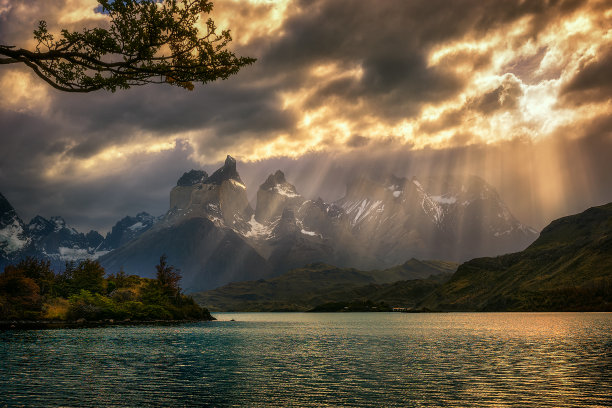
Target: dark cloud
592 83
98 203
390 42
357 141
526 67
504 97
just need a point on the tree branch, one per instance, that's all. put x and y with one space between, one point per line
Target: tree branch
140 29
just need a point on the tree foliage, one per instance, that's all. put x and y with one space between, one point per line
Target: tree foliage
19 295
82 292
168 276
89 276
147 41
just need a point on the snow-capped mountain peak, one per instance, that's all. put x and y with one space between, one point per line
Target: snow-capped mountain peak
13 234
274 196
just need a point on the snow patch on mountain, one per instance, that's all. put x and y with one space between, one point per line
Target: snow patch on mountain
258 230
136 227
78 254
285 190
11 238
444 199
311 233
359 210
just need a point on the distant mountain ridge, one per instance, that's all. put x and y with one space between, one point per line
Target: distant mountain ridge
214 236
304 288
54 240
449 218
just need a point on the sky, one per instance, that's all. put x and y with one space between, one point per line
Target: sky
516 92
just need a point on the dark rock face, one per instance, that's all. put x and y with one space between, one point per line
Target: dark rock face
54 240
208 256
227 172
274 180
14 239
274 196
7 212
128 229
191 178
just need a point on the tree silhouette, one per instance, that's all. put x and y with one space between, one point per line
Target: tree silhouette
168 276
148 41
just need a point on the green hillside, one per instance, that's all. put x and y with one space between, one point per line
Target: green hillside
304 288
569 267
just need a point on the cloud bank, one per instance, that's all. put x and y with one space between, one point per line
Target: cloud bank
516 92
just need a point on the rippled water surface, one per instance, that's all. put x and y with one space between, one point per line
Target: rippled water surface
293 359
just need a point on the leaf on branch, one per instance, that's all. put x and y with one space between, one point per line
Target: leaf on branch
148 41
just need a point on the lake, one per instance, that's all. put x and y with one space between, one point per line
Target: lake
301 359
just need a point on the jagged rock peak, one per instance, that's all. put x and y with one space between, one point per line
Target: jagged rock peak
274 180
227 172
7 212
278 184
40 225
191 178
58 221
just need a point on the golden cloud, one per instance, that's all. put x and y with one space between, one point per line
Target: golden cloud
511 79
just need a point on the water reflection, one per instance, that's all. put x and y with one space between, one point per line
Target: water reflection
512 359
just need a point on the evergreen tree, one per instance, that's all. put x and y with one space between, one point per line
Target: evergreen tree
168 277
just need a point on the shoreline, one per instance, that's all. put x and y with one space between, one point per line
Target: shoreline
82 324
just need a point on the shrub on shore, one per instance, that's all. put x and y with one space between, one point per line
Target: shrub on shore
31 290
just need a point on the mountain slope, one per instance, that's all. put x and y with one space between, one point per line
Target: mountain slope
13 234
127 229
445 218
569 267
201 234
304 288
208 256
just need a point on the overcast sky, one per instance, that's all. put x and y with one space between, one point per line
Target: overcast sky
518 93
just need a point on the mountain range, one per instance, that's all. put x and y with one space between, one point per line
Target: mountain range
52 239
568 268
215 236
